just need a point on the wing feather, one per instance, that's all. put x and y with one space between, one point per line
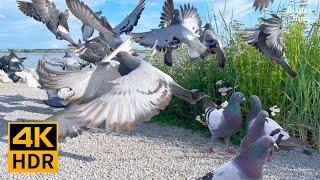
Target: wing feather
167 14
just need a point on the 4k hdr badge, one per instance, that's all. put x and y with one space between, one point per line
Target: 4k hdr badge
33 147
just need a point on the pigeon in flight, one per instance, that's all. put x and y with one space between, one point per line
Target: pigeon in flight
261 4
223 123
177 27
268 39
213 43
274 129
126 26
45 11
115 94
248 164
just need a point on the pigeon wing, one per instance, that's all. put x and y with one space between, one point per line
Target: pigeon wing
167 14
261 4
273 28
191 19
128 100
48 12
126 26
28 9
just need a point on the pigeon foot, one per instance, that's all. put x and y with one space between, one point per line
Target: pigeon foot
230 150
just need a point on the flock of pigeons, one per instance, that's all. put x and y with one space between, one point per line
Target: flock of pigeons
121 89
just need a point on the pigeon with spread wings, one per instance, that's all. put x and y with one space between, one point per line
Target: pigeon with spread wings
177 27
115 94
268 38
46 12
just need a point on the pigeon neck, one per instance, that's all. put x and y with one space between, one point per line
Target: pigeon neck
177 18
233 109
254 111
251 161
127 63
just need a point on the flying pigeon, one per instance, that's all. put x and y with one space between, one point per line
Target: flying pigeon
115 94
177 27
45 11
261 4
256 131
87 30
274 129
248 164
223 123
268 39
213 43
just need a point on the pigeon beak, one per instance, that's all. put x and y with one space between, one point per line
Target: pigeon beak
275 146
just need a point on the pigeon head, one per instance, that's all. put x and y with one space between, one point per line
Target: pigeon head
98 13
208 26
238 97
255 108
177 16
262 118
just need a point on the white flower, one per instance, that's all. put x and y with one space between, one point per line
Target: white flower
220 82
225 104
224 91
275 110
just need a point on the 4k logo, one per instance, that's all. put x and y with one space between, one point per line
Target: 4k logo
33 147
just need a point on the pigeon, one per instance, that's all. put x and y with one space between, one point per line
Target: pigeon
177 27
256 131
45 11
223 123
87 31
274 129
261 4
116 94
101 24
248 164
213 43
68 63
268 39
11 64
54 100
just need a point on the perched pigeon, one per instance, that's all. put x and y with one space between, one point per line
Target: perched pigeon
115 94
256 131
213 43
68 63
223 123
177 27
11 64
274 129
248 164
46 12
268 38
261 4
87 31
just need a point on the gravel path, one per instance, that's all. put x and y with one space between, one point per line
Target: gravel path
151 152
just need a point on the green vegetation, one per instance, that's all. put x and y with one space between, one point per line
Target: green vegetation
251 72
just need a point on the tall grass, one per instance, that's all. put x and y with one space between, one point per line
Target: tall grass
251 72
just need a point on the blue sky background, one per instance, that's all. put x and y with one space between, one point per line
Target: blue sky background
20 31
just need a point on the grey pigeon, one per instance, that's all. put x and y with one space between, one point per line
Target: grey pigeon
261 4
87 30
115 94
268 39
256 131
177 27
248 164
46 12
11 64
223 123
213 43
101 24
274 129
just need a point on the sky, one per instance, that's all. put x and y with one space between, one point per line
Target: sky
20 31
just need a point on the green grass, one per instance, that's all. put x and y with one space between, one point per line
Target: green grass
251 72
